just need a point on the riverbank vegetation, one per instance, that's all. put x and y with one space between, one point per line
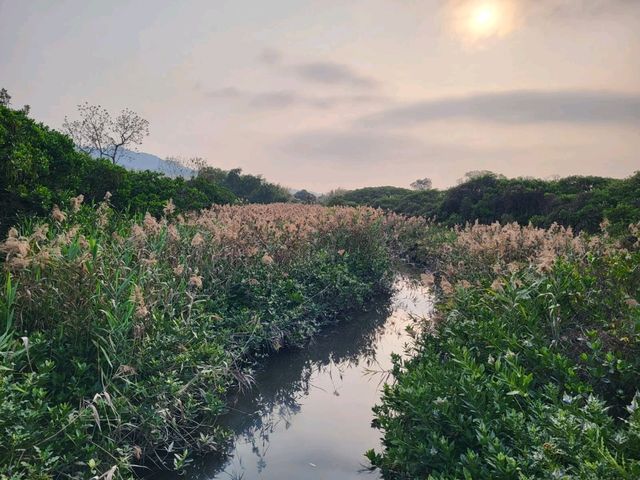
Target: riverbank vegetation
123 335
532 370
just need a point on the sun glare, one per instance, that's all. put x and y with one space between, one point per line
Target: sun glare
485 18
478 20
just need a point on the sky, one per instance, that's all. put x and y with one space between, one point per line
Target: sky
324 94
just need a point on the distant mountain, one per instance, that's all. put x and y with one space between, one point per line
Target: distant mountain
147 161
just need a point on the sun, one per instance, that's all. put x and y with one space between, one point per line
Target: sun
485 18
478 20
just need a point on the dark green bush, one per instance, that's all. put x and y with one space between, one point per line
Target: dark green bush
40 167
533 377
578 202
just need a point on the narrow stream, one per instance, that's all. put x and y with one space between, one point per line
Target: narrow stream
309 413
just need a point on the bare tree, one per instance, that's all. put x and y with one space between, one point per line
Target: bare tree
183 166
97 132
196 163
422 184
175 166
180 165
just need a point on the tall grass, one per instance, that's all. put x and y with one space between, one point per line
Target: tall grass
122 336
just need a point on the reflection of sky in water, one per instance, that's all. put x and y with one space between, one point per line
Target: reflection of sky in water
309 414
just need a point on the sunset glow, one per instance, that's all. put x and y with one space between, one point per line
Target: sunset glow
480 20
323 100
485 19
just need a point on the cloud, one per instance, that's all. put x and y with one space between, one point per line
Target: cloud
281 99
517 107
550 8
349 146
270 56
366 147
575 7
331 73
274 100
225 92
321 72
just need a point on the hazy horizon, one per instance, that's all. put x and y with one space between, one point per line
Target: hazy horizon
328 94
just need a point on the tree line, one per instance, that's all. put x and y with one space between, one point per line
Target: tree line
582 202
41 167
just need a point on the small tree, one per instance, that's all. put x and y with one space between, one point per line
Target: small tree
5 101
175 167
213 174
5 98
97 132
305 196
475 174
422 184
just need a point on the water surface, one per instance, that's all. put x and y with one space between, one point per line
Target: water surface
309 412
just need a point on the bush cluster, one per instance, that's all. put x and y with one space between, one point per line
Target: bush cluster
533 367
578 202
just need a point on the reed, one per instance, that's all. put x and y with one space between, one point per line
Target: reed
123 335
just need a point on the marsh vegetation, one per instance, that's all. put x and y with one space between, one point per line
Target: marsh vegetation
138 311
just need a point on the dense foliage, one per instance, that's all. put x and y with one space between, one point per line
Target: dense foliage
40 167
248 188
533 369
123 335
580 202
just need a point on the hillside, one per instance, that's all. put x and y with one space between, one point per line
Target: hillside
140 161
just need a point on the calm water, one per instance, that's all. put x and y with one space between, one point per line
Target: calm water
309 414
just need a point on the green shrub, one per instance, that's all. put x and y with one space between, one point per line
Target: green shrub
533 374
40 167
578 202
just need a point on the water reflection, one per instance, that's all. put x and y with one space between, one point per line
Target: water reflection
309 414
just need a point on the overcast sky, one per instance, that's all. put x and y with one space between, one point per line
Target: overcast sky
320 94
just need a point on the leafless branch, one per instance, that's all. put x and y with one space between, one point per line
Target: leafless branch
97 132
